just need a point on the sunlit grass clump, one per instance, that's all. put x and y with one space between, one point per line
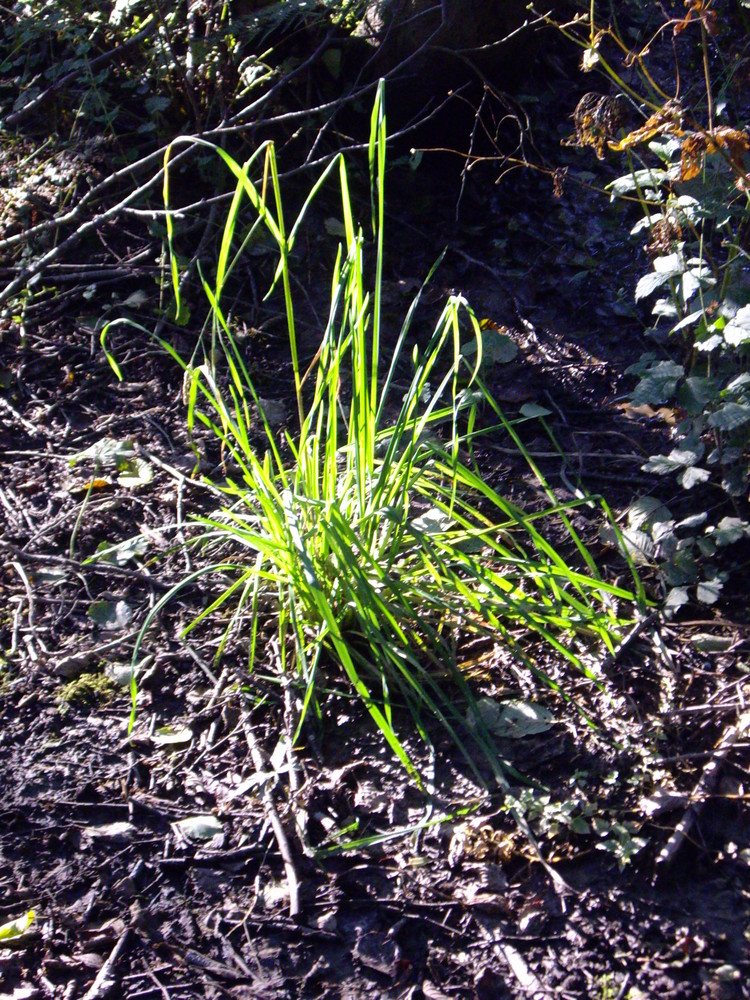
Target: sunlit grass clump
368 532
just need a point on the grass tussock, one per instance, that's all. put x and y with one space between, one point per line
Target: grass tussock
373 537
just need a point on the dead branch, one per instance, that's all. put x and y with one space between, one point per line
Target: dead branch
701 792
105 979
272 815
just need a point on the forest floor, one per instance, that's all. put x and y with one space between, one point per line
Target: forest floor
150 860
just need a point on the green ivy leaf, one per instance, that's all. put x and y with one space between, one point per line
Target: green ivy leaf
640 546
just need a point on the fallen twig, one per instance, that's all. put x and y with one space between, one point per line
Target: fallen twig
272 815
77 566
90 226
291 722
527 980
105 980
609 661
701 792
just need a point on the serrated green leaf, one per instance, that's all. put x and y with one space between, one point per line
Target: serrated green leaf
730 530
664 309
663 532
676 597
658 385
707 643
709 591
662 465
692 476
647 222
710 344
665 149
534 410
512 719
707 546
107 453
640 546
690 320
730 416
203 827
579 825
167 736
671 264
694 521
696 392
111 615
734 482
649 283
737 384
119 553
681 569
688 453
643 179
17 928
647 511
642 366
737 330
136 472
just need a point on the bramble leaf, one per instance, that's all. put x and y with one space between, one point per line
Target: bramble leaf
730 416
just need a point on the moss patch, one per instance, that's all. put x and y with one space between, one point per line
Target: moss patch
86 689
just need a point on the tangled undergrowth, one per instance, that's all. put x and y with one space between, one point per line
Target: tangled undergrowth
385 564
687 173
